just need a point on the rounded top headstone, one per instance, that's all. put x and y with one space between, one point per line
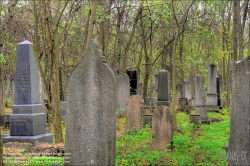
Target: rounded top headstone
163 71
25 42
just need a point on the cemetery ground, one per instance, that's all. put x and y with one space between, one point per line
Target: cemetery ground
192 145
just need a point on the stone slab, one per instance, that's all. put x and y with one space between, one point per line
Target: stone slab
27 109
30 139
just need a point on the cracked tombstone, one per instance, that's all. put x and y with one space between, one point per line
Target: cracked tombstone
90 112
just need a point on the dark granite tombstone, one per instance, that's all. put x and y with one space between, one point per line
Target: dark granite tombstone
200 99
163 92
211 100
218 85
239 141
133 81
27 121
91 111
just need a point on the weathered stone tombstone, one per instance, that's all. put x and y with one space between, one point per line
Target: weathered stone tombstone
163 92
156 84
191 102
123 92
183 100
133 81
27 121
162 128
239 140
63 110
134 113
200 99
90 113
140 89
178 91
211 100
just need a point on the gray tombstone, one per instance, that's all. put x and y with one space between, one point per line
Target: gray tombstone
212 98
163 93
191 101
27 121
123 91
90 112
63 110
239 141
183 100
200 99
140 89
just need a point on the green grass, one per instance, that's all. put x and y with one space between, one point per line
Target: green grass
193 145
204 145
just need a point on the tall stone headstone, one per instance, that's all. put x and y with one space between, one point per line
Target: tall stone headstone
183 100
123 91
191 101
163 93
63 110
140 89
134 113
211 100
27 121
90 112
239 140
218 86
162 128
200 99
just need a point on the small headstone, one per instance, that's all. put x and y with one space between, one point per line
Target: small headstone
90 113
163 92
123 91
212 98
200 99
195 118
133 81
162 128
134 113
147 119
239 140
27 121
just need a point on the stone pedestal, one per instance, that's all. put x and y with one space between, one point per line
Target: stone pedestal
166 103
195 118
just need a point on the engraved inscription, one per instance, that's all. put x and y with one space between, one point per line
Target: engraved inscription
23 81
21 118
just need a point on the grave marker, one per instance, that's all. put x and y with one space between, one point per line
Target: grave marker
90 112
27 121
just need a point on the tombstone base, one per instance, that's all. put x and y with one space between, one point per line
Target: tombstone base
30 139
195 118
213 108
202 111
166 103
212 99
147 119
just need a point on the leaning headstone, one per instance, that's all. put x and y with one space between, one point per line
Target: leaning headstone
123 92
200 99
162 128
90 113
211 100
133 81
27 121
163 93
63 110
239 140
134 113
